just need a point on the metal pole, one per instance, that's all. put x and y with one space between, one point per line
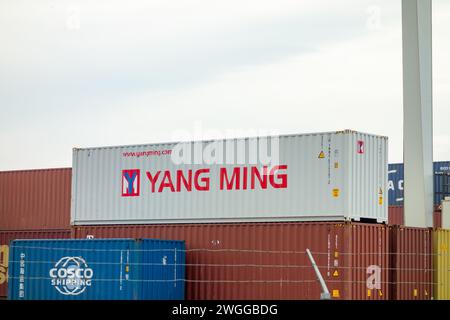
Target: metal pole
325 295
417 112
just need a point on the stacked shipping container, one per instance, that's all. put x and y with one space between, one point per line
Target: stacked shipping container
35 199
334 176
263 260
411 263
269 261
103 269
396 186
441 243
34 204
396 181
7 236
247 259
397 216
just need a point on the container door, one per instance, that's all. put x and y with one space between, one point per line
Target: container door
160 272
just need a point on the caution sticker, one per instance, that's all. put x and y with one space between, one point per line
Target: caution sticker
321 155
335 273
380 293
336 192
415 293
336 165
369 292
335 293
380 200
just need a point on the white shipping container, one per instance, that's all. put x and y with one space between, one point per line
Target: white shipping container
333 176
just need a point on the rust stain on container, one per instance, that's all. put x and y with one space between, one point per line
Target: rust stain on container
7 236
411 263
35 199
268 260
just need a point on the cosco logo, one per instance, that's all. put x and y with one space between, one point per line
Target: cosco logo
71 276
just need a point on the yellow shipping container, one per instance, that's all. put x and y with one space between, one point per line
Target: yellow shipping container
441 239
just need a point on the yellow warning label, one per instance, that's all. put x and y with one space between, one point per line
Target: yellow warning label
335 273
336 193
380 200
336 254
380 293
369 292
415 293
127 269
321 155
336 165
444 247
335 293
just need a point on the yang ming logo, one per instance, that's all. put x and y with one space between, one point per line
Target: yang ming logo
131 180
71 276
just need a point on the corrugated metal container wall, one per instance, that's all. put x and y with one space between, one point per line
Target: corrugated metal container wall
441 180
396 175
395 187
367 266
35 199
441 244
268 260
437 219
396 216
114 269
321 177
7 236
411 263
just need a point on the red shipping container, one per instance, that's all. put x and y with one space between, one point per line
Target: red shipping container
268 260
411 263
396 216
35 199
437 218
7 236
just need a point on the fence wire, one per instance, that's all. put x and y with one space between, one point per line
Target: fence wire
403 272
287 281
225 265
234 250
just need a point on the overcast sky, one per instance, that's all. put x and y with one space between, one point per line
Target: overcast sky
94 73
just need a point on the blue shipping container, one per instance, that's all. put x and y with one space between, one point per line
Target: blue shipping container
97 269
395 186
